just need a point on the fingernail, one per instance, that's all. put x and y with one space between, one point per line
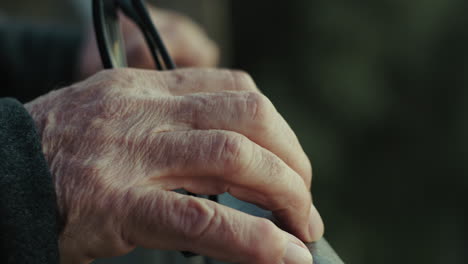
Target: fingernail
296 254
315 224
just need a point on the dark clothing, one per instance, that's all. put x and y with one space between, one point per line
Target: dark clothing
32 62
27 207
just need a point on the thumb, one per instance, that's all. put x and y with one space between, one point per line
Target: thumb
172 221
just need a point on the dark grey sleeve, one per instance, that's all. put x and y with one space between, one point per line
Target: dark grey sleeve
35 59
28 228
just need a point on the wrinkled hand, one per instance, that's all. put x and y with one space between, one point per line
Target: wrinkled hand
187 43
118 143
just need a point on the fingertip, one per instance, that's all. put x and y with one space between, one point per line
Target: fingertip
316 226
296 252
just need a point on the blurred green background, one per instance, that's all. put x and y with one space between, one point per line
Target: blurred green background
377 92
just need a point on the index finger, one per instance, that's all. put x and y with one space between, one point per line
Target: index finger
215 162
171 221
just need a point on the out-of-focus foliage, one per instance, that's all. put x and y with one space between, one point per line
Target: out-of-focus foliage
377 92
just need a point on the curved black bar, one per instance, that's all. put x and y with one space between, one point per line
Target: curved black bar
98 17
108 34
153 33
129 10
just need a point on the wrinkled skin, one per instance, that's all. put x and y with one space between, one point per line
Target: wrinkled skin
119 142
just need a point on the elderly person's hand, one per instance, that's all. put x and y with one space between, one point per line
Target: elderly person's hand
118 143
187 43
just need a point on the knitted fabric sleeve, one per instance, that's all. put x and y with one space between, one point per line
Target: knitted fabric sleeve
28 225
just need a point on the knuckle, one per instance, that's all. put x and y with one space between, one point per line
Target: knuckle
277 168
116 79
272 237
196 218
176 78
229 149
113 74
266 227
106 80
260 108
243 81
